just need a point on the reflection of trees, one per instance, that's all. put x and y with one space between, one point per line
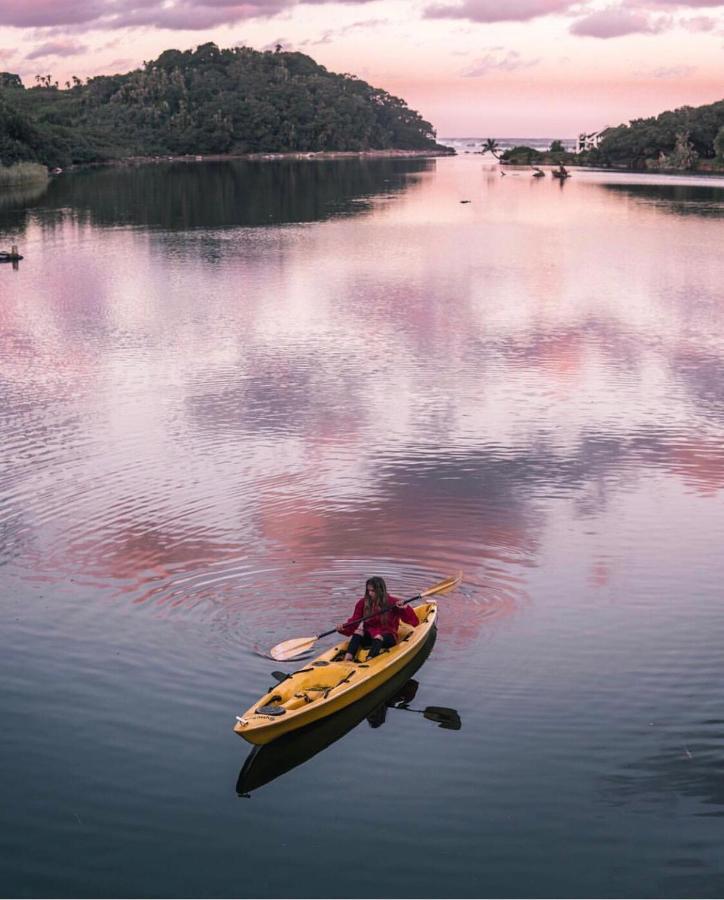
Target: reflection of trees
13 203
21 194
679 199
227 194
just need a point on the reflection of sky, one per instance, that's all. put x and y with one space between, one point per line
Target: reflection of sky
417 388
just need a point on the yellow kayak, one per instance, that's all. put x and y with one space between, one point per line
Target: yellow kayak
266 763
326 685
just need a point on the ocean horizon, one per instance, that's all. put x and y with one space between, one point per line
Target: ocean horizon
474 144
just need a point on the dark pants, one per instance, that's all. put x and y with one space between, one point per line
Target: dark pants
373 644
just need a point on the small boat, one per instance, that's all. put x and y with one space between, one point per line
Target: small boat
329 684
11 255
264 764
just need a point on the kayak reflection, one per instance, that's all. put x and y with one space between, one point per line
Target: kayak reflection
267 762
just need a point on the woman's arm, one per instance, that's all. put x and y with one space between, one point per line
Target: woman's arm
349 629
408 615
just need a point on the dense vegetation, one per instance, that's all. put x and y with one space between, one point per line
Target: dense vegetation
529 156
204 101
677 139
684 139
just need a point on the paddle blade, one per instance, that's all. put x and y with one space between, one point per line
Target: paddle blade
444 716
447 584
292 648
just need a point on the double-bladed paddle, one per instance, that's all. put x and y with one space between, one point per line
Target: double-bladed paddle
298 646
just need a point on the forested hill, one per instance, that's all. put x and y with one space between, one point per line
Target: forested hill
204 101
678 139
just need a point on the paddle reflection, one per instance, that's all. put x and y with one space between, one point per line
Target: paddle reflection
268 762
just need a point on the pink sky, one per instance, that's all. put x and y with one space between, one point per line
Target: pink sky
546 68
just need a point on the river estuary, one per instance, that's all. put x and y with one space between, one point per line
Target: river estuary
229 393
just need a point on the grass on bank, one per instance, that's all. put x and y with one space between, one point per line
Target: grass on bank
22 173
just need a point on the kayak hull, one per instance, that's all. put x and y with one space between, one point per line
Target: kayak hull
270 761
327 685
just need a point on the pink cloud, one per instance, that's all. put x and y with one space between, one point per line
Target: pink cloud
500 60
335 33
40 13
686 3
56 48
676 72
170 14
122 64
699 23
496 11
183 15
616 21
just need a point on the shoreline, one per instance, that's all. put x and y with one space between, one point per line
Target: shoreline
267 157
707 170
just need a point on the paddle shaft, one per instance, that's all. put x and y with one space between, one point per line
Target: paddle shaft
372 615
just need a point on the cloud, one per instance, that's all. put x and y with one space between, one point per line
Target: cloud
169 14
57 48
686 3
699 23
327 37
675 72
196 15
42 13
497 11
121 64
616 21
497 59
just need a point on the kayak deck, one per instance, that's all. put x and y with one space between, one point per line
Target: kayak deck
327 684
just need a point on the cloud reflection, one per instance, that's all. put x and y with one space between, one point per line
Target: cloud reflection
247 424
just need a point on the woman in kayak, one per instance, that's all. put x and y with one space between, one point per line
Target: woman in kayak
378 632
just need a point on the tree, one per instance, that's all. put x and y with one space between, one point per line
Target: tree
719 143
211 100
522 155
492 146
646 142
683 156
556 147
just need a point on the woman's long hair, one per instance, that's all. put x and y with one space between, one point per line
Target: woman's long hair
381 597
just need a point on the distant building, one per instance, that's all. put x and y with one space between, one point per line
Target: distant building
589 141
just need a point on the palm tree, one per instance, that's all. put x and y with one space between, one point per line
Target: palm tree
492 146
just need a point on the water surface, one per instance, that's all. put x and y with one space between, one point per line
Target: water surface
230 392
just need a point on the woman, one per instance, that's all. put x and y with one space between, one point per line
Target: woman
380 631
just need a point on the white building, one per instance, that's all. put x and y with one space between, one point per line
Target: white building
589 141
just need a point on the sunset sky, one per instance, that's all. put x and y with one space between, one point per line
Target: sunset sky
536 68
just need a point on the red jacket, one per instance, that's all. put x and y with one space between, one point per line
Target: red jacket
376 628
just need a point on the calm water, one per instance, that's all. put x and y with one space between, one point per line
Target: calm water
231 392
